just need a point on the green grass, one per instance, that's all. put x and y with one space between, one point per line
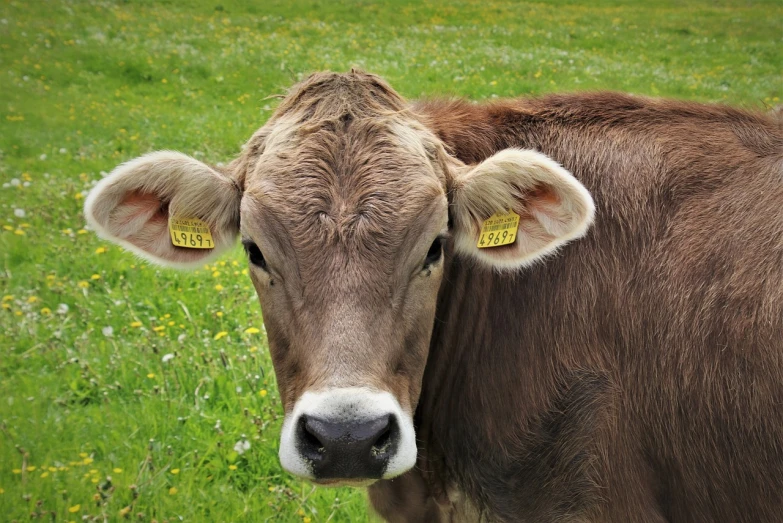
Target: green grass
84 390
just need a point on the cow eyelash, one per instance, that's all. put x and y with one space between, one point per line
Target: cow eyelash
435 253
254 254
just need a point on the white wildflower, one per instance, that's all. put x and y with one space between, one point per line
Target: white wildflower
62 309
108 331
241 446
16 182
19 213
167 357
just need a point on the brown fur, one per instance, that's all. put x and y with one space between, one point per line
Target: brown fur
637 376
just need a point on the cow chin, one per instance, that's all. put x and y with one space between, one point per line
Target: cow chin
347 436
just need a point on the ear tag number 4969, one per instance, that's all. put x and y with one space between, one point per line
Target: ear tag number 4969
190 233
499 229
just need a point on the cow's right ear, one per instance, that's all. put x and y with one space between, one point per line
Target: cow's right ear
132 206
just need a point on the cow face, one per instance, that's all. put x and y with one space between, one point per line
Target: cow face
344 203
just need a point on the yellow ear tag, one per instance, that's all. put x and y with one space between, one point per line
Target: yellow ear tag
191 233
499 229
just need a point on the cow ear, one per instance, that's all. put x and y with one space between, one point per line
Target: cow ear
553 207
133 204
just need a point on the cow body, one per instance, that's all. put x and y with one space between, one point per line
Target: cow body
620 361
638 375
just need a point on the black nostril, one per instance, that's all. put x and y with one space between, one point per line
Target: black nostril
348 448
310 444
385 438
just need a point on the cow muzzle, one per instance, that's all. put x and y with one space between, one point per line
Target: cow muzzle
347 436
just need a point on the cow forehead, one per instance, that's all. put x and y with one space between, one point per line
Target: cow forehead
373 170
337 192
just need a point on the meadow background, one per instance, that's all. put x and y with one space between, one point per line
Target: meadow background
128 391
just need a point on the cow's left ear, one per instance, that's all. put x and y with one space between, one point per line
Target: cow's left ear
553 207
134 204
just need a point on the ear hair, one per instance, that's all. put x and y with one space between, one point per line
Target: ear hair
554 207
131 206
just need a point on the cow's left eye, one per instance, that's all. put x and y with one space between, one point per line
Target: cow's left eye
254 254
435 252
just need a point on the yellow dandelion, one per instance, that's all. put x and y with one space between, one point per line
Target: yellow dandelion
216 274
46 311
262 393
244 272
44 474
123 512
167 316
8 228
253 349
232 467
17 471
31 468
171 323
151 375
175 471
221 334
95 277
78 196
8 297
32 299
87 461
83 455
6 306
252 330
172 491
218 287
94 480
100 250
93 471
52 469
159 328
81 231
117 470
135 324
271 489
301 512
219 314
306 520
74 509
2 491
19 232
83 284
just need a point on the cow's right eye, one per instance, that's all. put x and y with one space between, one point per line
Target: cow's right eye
254 254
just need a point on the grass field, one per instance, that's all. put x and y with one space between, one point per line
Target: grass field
126 390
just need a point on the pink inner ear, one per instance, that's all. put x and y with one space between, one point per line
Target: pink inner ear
136 211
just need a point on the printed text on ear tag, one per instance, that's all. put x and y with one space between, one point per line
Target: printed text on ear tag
499 229
191 233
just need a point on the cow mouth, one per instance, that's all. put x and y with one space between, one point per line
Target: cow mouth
342 482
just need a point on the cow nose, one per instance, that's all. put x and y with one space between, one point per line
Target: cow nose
355 450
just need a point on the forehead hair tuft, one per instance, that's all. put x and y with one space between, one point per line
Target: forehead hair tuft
339 97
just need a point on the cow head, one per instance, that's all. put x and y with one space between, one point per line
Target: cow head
344 203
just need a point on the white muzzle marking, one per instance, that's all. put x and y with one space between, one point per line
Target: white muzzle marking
347 405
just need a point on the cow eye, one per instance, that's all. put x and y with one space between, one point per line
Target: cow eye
435 252
254 254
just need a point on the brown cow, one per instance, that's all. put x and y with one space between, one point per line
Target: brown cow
635 374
